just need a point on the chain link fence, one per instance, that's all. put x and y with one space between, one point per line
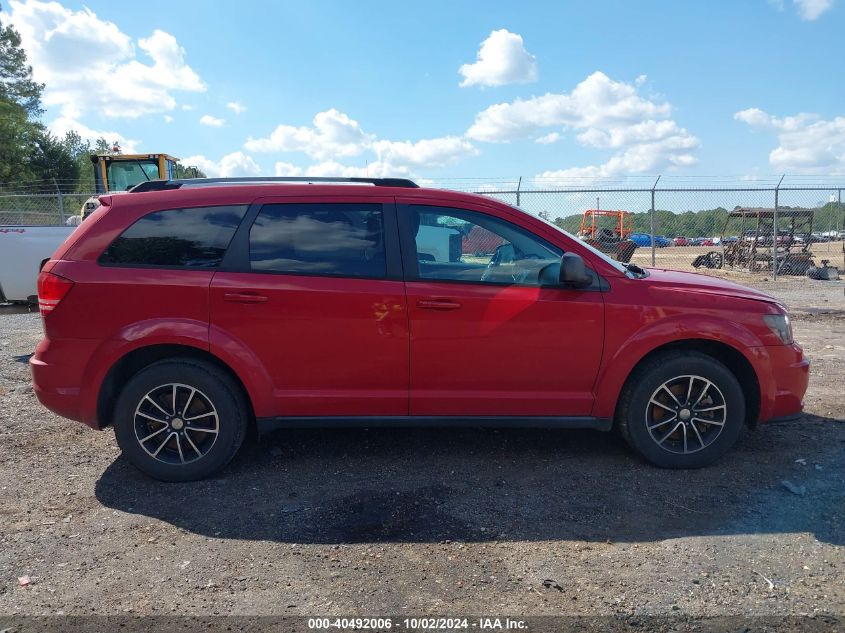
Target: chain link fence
782 226
40 208
775 228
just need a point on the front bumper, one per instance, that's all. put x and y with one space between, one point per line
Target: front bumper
783 392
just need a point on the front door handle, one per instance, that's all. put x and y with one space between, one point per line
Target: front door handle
438 304
244 297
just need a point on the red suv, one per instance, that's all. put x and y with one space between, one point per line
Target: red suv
185 311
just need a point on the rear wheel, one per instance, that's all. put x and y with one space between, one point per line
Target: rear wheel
180 420
682 410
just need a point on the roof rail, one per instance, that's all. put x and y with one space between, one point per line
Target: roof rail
162 185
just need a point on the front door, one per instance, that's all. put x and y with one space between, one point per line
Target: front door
487 339
314 291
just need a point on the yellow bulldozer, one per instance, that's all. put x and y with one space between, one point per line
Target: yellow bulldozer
117 173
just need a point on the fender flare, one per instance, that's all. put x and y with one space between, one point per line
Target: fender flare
185 332
615 370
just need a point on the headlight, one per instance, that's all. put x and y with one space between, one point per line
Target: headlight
779 324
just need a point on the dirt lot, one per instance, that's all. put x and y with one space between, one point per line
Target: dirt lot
681 257
432 521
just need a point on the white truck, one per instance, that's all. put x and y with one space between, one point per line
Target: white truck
22 249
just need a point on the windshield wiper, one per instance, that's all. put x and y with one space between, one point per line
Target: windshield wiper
143 171
639 272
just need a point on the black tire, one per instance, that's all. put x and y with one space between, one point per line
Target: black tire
193 451
707 441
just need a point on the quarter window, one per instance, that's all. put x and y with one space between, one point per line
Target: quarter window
460 245
319 239
190 238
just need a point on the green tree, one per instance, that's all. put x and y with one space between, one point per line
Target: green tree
16 83
52 160
16 137
188 171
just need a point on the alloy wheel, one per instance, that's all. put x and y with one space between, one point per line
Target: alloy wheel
176 423
686 414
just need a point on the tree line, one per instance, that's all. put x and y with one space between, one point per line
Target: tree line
29 152
708 222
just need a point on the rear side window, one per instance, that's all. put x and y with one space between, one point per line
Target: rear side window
319 239
189 238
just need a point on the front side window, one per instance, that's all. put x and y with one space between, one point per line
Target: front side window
319 239
460 245
190 238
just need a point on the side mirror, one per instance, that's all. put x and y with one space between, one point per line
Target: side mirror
573 273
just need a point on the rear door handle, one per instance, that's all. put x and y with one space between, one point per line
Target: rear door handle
438 304
244 297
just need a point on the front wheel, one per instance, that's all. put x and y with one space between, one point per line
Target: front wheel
682 410
180 420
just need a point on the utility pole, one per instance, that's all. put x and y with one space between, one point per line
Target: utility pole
653 247
775 232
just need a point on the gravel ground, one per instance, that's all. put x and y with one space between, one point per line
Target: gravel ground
366 522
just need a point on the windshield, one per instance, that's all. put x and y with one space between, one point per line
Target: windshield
125 174
617 265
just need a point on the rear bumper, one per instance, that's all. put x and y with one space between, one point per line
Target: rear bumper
57 369
783 391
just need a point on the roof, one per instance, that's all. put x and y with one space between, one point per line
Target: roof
764 212
134 156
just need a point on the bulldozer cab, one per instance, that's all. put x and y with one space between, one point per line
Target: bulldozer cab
120 172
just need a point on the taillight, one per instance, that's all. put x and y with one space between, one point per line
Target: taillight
51 290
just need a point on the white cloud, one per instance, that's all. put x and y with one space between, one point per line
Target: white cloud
673 151
606 114
62 125
334 135
435 152
546 139
502 59
168 118
234 164
188 106
596 102
806 142
287 169
211 121
375 169
115 83
810 10
236 107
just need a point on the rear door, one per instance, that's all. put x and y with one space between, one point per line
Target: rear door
487 339
313 288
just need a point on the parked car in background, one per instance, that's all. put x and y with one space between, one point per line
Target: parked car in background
710 241
696 241
729 239
644 239
184 314
680 241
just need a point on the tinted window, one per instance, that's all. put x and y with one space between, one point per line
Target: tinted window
323 239
193 238
460 245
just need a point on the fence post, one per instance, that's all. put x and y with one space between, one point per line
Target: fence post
518 187
775 232
653 254
59 199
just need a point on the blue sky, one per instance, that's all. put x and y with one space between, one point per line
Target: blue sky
560 91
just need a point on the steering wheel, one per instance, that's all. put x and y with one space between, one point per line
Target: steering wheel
519 274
